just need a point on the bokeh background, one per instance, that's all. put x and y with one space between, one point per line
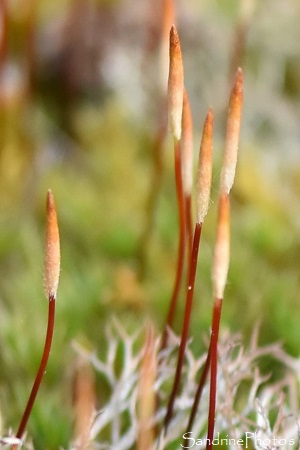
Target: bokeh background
82 89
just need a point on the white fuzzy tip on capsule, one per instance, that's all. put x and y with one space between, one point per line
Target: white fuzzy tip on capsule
175 85
232 134
52 250
222 248
205 168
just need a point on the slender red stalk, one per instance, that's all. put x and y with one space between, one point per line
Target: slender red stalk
222 247
213 373
41 371
221 256
181 243
52 269
220 271
203 194
186 325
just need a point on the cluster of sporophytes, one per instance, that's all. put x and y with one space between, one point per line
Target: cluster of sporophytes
163 396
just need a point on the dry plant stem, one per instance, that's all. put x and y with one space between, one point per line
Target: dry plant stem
181 243
84 394
41 370
186 325
213 372
146 393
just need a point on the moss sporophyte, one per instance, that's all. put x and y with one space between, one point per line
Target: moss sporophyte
161 393
51 278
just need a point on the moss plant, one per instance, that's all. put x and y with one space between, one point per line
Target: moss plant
221 257
157 147
204 183
175 108
220 274
154 383
52 269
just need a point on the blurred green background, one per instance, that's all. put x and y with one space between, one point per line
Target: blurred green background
81 88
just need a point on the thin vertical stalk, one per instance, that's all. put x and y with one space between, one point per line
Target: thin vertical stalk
40 373
51 278
166 9
181 243
219 275
175 107
203 195
213 372
186 325
222 247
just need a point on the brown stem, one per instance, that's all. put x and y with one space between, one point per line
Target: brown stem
41 371
213 372
186 324
181 243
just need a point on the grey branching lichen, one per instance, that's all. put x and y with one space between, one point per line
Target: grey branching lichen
251 409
